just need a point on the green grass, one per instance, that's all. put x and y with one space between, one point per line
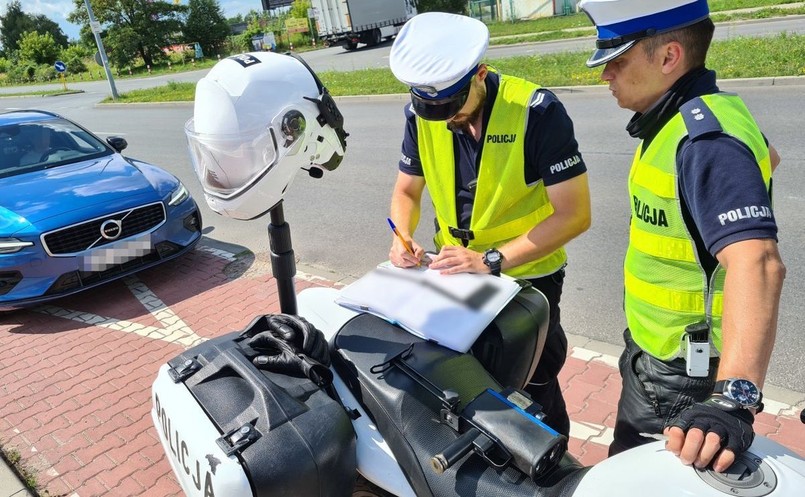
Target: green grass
764 13
38 93
555 23
550 28
720 5
783 55
172 92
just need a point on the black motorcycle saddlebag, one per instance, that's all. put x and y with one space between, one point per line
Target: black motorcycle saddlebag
290 437
505 346
410 417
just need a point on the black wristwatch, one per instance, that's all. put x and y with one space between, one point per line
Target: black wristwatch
493 260
742 391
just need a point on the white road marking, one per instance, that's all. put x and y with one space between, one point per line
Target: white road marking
173 330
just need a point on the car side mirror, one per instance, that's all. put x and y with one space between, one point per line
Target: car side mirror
118 143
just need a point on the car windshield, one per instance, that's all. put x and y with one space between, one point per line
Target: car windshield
36 145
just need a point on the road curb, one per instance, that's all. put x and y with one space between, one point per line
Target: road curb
402 97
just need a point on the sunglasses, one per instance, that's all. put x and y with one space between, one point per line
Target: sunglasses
440 109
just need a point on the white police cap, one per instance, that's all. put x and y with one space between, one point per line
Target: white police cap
622 23
436 53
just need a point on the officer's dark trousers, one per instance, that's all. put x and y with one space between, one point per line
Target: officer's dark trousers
544 385
654 393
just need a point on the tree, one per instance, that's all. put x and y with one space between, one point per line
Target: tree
13 25
237 19
16 22
299 9
133 28
206 25
39 48
43 24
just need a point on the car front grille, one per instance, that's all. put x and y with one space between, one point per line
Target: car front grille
73 239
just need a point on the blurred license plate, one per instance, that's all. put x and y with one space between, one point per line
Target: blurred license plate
115 254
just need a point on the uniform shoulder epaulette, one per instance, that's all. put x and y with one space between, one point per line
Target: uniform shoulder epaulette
541 100
699 119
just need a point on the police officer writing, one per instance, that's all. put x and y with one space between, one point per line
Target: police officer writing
703 274
502 167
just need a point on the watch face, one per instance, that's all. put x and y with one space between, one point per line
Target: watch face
744 392
493 256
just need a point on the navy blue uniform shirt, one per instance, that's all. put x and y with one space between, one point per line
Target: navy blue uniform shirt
551 151
724 198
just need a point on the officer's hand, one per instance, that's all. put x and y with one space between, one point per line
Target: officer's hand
399 255
452 259
713 431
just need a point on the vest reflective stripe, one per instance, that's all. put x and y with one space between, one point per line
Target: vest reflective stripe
661 246
665 286
504 206
662 183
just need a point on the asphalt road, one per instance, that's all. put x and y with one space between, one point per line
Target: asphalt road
338 223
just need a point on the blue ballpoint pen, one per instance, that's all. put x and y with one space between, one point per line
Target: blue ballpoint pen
407 246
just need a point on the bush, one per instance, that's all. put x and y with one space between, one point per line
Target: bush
74 56
41 49
4 64
22 72
45 73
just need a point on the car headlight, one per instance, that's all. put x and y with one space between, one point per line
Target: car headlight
179 195
11 245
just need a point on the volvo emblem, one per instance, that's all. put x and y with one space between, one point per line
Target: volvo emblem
111 229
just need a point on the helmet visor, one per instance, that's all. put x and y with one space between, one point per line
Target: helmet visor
440 109
226 165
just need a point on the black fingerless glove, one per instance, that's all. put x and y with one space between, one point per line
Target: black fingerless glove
721 416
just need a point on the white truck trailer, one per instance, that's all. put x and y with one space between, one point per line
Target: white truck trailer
349 22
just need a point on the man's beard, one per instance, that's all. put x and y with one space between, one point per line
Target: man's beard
461 122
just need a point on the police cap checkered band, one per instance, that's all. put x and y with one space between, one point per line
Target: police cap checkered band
621 23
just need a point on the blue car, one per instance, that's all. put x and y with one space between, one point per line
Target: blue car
75 213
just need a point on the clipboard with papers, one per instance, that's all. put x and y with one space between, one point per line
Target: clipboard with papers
451 310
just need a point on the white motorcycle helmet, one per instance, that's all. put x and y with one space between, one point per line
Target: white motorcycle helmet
259 118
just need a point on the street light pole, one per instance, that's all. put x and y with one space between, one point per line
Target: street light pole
95 26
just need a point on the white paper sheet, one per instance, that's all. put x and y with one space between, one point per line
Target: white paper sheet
451 310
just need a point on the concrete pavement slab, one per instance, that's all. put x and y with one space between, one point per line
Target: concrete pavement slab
10 484
77 374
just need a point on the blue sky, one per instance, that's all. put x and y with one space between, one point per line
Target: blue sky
57 10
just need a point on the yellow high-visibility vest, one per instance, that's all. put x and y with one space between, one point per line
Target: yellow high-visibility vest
504 207
666 287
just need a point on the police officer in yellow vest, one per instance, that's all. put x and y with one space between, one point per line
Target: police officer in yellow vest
702 274
502 167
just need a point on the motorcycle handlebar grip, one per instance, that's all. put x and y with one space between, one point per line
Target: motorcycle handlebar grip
455 451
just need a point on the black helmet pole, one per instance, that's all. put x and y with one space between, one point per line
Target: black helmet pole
283 264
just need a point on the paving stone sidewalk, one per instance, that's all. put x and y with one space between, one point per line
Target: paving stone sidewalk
77 374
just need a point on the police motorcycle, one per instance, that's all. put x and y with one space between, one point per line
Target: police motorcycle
298 402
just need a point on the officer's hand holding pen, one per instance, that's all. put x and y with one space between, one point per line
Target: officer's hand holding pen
405 252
